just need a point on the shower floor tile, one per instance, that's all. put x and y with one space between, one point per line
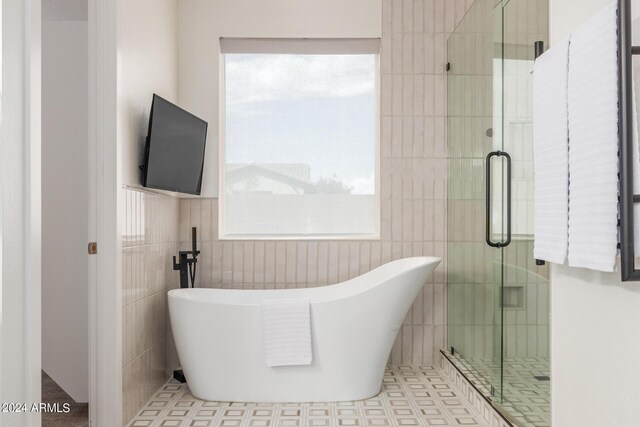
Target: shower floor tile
410 396
527 386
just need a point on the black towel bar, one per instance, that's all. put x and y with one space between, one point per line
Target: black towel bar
628 271
538 49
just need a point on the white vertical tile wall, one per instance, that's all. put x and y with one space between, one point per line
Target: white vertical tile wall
413 188
149 239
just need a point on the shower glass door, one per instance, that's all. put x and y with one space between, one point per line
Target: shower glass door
498 309
525 289
474 271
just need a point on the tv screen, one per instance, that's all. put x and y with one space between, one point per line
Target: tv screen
174 153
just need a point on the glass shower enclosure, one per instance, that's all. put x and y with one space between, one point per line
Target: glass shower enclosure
498 298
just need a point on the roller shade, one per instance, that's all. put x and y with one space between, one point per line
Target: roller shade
299 46
299 144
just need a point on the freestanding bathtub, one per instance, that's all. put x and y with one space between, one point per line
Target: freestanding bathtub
219 339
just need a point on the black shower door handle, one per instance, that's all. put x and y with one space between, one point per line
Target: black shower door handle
488 199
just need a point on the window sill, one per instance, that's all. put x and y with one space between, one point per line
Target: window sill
310 237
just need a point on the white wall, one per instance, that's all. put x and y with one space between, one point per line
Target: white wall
203 22
595 373
595 350
65 202
20 210
567 15
147 63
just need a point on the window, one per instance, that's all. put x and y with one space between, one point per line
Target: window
299 138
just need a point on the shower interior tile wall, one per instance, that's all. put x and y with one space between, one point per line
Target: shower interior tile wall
473 274
526 329
149 240
413 174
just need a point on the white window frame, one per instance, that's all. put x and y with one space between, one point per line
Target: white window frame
289 46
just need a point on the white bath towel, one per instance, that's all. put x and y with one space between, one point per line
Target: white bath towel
593 142
287 332
551 154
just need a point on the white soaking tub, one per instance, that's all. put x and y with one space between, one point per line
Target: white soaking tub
219 337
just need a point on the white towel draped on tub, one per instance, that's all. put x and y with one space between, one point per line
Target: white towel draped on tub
287 332
550 153
593 142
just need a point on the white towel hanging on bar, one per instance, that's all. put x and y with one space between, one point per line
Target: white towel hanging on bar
593 143
551 154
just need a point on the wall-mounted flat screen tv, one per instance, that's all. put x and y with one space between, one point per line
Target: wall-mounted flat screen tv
174 152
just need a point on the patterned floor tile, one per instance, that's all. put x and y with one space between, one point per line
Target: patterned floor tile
410 396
